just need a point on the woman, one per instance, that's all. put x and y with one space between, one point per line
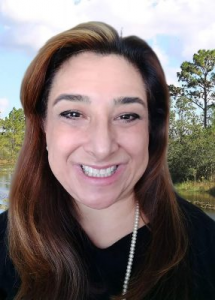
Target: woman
93 213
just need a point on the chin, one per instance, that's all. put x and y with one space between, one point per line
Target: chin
97 204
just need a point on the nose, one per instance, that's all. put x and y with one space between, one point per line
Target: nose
101 141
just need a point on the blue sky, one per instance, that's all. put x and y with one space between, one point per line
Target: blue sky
175 29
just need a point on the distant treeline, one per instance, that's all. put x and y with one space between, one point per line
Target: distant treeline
192 121
191 154
12 130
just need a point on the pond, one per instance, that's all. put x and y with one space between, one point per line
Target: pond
6 172
204 200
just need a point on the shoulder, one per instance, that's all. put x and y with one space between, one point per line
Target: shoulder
3 233
3 238
3 252
201 232
196 219
200 227
9 280
3 224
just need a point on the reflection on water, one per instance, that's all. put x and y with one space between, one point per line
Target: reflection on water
5 178
198 197
204 200
6 172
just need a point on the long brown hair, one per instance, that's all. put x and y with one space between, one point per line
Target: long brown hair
44 236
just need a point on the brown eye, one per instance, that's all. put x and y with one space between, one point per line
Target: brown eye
69 114
129 117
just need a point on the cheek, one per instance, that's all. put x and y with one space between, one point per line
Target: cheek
136 142
141 152
58 147
61 139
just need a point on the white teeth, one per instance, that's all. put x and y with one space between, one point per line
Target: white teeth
98 172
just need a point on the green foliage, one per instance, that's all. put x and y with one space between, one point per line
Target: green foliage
11 134
212 115
198 82
191 147
191 153
197 187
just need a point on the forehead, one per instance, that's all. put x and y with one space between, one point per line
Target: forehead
88 72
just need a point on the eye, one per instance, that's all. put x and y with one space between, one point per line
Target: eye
70 114
129 117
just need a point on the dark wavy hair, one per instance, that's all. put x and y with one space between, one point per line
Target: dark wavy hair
45 239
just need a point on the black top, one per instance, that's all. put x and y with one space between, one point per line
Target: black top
107 267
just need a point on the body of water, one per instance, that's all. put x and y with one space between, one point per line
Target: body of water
204 200
6 172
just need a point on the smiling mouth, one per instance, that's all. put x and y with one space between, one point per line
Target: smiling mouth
91 172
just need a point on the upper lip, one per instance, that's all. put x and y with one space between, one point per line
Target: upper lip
100 167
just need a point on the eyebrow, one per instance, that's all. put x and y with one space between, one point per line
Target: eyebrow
86 99
129 100
72 97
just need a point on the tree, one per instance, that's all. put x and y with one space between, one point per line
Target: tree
184 125
183 118
191 154
12 134
212 115
198 81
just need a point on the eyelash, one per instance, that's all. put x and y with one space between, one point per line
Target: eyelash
129 117
74 115
70 114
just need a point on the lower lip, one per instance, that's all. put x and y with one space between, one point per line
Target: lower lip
101 180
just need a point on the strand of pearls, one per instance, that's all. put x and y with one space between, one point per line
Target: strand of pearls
132 250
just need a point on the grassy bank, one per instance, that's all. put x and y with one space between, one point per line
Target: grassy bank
198 187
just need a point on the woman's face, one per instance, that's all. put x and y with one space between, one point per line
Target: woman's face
97 129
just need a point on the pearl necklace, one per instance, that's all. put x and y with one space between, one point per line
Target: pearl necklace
132 250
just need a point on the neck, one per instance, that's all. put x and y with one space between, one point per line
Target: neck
105 227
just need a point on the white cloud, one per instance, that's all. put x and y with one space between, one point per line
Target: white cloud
4 103
190 20
164 59
205 38
171 74
31 23
28 24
